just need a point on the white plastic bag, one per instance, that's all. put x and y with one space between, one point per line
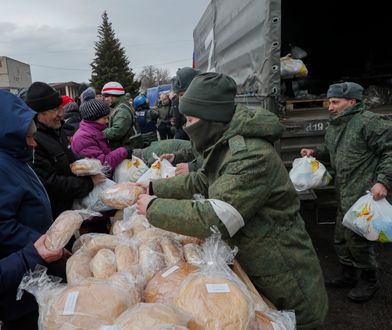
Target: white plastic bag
129 170
290 67
93 200
88 166
308 173
370 219
160 169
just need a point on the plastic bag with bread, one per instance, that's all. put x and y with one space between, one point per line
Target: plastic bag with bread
87 166
121 195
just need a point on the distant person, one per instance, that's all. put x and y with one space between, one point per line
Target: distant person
25 215
122 130
164 117
180 83
71 119
53 155
146 119
358 143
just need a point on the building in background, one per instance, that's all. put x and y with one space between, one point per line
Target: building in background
14 75
69 88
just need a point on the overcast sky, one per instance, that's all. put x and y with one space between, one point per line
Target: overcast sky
56 37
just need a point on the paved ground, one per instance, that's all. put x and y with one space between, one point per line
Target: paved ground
343 314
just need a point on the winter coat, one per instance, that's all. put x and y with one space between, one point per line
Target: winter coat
358 144
121 125
244 170
71 119
53 157
90 142
25 212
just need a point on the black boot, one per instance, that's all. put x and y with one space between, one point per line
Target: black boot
347 279
366 287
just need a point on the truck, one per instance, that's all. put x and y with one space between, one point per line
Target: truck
14 75
336 40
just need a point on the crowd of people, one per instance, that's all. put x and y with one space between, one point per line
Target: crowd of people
222 151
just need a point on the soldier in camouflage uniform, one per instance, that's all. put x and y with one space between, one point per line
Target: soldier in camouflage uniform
249 196
358 143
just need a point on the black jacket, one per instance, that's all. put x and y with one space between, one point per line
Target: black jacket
72 121
51 163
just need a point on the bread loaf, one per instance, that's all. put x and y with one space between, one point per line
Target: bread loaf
147 316
121 195
126 259
165 285
86 166
172 251
95 303
155 232
62 229
214 302
103 265
151 259
78 267
193 254
127 284
96 242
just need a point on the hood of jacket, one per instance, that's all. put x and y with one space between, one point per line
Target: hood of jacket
259 123
15 117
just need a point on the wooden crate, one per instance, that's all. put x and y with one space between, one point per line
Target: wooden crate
306 104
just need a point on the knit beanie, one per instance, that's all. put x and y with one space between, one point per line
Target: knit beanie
210 96
88 94
183 78
94 109
70 107
113 88
346 90
66 99
42 97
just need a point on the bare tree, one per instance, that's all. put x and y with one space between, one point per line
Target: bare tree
151 76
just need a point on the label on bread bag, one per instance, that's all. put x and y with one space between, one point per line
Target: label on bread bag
218 288
170 271
70 303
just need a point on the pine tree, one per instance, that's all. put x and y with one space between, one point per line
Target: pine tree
110 62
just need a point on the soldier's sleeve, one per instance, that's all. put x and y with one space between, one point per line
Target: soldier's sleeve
245 185
119 126
378 133
322 153
183 156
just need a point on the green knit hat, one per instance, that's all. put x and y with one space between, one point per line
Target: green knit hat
183 78
346 90
210 96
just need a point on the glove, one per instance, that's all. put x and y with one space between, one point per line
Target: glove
129 151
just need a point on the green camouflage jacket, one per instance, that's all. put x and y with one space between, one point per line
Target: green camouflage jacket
121 125
244 170
358 144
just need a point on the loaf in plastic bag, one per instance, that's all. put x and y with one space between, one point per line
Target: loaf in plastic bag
130 170
103 265
370 219
65 225
165 285
308 173
88 166
93 200
78 267
127 259
215 296
160 169
121 195
151 259
88 305
150 316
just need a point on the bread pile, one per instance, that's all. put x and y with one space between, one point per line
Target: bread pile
121 195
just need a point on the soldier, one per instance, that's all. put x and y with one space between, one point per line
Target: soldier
249 197
358 144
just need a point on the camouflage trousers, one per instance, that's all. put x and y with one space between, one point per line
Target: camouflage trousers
352 249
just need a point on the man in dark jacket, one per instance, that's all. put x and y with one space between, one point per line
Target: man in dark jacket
53 154
25 214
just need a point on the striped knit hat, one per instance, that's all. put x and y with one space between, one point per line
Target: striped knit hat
94 109
113 88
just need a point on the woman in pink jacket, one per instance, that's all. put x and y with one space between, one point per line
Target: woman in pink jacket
89 141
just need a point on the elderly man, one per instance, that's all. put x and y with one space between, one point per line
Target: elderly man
53 154
249 196
122 130
358 144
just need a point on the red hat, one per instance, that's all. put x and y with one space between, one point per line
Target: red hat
66 99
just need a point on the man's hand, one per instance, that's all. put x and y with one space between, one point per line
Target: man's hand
182 169
98 178
48 255
143 185
379 191
169 157
307 152
142 203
